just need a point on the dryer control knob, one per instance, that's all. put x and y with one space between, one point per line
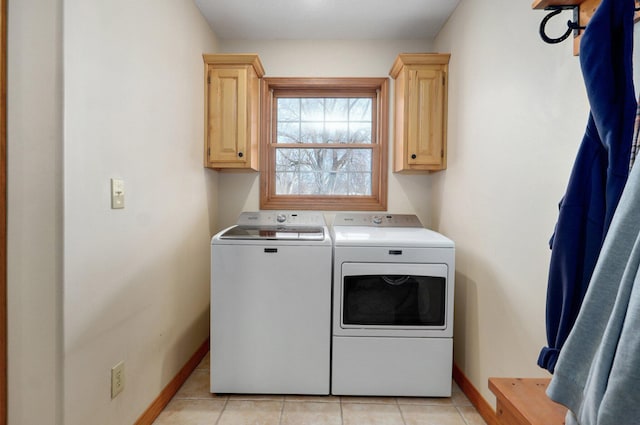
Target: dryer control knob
281 218
377 219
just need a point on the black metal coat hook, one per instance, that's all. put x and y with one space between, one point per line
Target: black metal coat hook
571 26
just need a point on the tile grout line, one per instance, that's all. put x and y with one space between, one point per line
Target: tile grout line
461 415
224 407
404 421
282 410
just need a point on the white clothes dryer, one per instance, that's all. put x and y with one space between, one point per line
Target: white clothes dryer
393 288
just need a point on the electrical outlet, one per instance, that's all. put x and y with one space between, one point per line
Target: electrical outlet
117 379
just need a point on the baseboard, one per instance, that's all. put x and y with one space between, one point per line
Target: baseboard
484 409
155 408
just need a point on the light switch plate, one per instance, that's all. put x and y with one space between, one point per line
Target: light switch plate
117 194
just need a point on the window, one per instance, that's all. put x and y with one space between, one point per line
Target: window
324 143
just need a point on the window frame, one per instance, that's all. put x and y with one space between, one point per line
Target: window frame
274 87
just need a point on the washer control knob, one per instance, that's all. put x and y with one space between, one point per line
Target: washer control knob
377 219
281 218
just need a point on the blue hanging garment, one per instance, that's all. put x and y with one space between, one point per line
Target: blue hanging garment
600 170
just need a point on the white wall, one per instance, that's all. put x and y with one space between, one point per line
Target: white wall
34 239
136 281
408 194
517 113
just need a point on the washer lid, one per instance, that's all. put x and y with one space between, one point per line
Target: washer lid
389 237
278 225
274 233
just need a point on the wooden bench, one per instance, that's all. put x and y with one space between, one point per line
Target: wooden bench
523 401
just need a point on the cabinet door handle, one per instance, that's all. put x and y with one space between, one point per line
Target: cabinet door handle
413 156
240 154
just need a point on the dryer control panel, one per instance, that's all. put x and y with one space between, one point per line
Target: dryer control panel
377 220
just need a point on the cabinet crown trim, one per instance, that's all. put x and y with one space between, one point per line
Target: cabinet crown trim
235 59
404 59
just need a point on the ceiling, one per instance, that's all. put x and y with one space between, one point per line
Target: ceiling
326 19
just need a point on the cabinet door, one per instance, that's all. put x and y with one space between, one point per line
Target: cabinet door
227 116
426 104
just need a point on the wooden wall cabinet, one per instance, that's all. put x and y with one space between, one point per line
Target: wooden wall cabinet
232 111
420 112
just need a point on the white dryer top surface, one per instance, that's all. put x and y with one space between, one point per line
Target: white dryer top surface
382 229
389 236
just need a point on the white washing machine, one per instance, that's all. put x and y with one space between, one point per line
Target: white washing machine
392 307
271 305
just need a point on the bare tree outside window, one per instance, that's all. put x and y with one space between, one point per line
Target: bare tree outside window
323 171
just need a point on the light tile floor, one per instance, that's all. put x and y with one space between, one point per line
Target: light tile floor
195 405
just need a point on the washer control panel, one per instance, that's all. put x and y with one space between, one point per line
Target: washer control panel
281 218
377 220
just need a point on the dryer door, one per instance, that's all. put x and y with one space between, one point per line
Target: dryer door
378 298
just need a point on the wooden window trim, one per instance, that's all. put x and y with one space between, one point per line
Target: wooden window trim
299 87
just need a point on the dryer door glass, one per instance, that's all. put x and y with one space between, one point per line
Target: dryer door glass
394 300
